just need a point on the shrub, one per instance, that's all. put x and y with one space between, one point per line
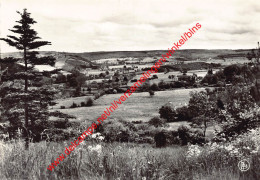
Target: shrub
196 137
160 139
183 114
137 122
151 93
161 84
155 76
61 115
179 84
61 123
183 132
154 87
62 107
145 139
89 89
157 122
121 131
83 104
96 96
166 112
74 105
174 138
89 102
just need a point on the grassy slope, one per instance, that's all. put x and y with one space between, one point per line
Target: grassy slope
140 106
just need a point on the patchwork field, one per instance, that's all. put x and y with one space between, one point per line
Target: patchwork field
164 77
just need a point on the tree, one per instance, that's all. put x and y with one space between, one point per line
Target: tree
89 89
166 112
17 95
231 71
154 87
151 92
183 113
241 112
160 139
89 102
171 77
156 122
202 109
251 55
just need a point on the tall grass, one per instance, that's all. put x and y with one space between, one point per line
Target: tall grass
118 161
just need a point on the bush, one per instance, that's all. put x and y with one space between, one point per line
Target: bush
196 137
74 105
121 131
83 104
184 114
89 102
62 107
192 136
174 138
166 112
155 76
160 139
156 122
61 123
96 96
61 115
154 87
151 93
145 139
183 132
161 84
137 122
89 89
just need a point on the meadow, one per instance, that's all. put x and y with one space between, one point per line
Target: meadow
138 107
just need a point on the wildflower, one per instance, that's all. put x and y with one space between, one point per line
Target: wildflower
101 138
95 135
193 151
97 148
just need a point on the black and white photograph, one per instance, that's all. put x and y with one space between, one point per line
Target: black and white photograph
129 90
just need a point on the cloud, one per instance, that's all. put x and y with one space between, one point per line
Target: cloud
87 25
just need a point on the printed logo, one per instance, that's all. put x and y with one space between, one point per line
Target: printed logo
243 165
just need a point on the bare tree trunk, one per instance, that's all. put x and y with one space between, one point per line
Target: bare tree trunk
205 128
26 103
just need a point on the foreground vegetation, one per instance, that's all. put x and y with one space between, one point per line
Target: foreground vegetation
98 160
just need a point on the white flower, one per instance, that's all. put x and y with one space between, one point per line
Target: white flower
97 148
101 138
193 151
97 136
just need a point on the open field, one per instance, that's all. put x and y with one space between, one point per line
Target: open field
140 106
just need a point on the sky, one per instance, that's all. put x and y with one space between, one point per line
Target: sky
130 25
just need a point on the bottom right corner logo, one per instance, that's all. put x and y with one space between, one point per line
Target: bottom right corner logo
244 165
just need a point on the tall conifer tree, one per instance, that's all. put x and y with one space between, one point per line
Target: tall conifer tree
25 100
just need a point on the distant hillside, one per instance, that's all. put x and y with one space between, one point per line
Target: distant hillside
68 61
189 54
